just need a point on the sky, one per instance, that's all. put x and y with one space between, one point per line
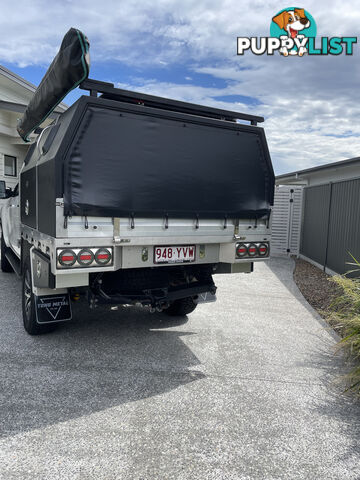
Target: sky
186 50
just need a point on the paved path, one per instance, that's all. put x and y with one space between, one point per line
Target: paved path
243 389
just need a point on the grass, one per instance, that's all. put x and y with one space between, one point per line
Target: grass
345 314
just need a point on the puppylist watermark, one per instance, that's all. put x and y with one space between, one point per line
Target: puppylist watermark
293 32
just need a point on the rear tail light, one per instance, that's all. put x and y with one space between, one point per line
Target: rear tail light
67 258
263 249
241 250
102 256
246 250
84 257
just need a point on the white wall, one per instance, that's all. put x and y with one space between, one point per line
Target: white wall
18 151
9 139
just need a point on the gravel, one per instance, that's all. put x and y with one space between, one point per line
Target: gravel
316 286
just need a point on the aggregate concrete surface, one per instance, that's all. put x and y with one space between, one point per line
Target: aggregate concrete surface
241 389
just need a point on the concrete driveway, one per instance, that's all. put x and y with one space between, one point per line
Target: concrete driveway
242 389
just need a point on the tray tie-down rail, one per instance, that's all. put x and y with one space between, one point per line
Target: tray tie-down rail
157 298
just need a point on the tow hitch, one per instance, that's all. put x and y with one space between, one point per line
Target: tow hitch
157 299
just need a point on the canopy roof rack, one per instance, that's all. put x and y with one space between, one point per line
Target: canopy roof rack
108 91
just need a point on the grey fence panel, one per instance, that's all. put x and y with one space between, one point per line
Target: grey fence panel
315 223
344 226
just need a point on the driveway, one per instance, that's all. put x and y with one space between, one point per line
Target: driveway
242 389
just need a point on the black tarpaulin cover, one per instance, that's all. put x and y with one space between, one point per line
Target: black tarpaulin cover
68 69
144 164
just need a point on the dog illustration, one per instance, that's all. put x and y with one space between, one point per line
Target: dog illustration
292 21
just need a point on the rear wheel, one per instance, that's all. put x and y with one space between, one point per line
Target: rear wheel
28 305
5 264
181 307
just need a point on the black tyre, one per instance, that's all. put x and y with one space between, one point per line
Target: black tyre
5 264
28 305
182 307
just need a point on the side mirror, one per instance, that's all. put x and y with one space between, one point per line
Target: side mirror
3 190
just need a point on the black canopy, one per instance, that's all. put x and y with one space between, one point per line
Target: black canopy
135 160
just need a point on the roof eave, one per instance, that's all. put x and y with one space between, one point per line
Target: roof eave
327 166
25 84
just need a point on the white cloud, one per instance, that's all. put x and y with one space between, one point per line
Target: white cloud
304 100
149 31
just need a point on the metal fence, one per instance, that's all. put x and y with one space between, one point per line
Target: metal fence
331 224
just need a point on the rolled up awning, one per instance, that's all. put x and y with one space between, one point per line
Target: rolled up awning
68 69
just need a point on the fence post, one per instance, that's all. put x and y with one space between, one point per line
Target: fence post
290 219
328 225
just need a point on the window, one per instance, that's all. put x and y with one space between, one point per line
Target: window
9 166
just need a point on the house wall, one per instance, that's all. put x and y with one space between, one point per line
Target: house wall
9 139
18 151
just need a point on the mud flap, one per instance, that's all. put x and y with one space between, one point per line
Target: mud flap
53 308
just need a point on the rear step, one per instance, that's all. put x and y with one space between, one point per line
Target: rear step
14 261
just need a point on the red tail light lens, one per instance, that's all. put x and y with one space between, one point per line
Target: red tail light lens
252 250
85 257
263 249
241 250
67 258
103 256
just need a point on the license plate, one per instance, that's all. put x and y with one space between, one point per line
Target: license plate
175 254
